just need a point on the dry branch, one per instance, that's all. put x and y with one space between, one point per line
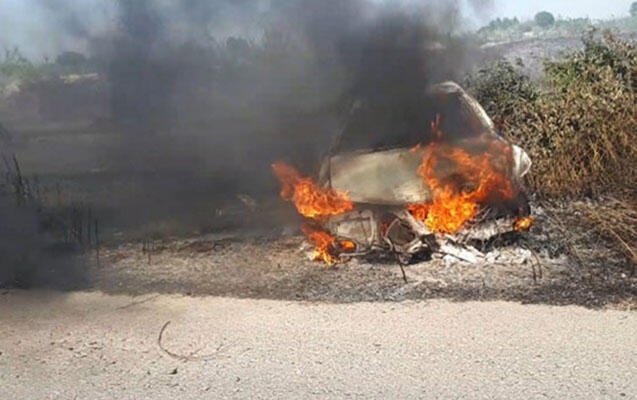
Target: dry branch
189 357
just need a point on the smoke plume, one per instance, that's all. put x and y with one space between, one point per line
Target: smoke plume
201 96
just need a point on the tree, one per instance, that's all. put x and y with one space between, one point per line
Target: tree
71 59
544 19
633 9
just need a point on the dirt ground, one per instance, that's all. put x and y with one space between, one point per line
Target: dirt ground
540 266
278 269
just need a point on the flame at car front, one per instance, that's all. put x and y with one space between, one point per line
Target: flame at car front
462 177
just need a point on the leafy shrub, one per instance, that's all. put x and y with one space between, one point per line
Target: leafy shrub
501 23
16 66
579 126
502 89
70 59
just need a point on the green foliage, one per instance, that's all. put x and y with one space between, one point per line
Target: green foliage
607 55
621 25
15 65
71 60
510 30
502 23
544 19
501 88
579 126
633 9
573 26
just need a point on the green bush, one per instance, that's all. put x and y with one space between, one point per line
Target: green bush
502 89
579 125
16 66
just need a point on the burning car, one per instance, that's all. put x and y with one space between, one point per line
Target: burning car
455 182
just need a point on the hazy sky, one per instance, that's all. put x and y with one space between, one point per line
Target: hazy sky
594 9
33 25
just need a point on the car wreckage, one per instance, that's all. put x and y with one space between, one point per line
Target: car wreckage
455 182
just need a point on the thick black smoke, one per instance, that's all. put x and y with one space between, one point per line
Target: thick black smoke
201 96
30 257
244 100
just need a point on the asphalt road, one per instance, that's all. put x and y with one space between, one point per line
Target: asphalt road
96 346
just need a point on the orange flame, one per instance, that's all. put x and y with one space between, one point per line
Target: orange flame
310 199
315 202
326 247
524 224
460 181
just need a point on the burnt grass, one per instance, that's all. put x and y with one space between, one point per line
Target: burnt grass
539 267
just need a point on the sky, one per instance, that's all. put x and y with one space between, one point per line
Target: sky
34 26
594 9
31 24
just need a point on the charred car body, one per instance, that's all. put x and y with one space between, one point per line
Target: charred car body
417 192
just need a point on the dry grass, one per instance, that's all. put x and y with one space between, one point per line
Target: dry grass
582 139
617 221
579 125
580 129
